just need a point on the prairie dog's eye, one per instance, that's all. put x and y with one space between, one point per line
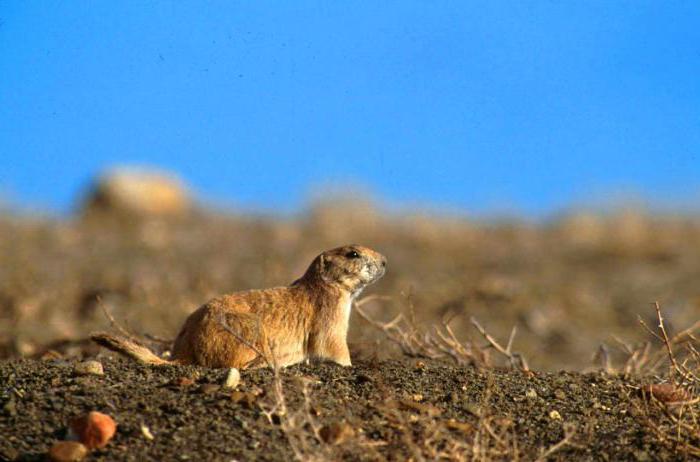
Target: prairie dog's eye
352 254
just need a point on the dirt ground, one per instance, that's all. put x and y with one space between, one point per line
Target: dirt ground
395 410
574 286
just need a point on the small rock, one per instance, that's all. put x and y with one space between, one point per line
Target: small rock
554 415
136 191
67 451
233 378
531 393
337 433
184 381
559 394
146 432
253 444
25 349
10 407
51 355
240 397
209 388
473 409
90 367
94 429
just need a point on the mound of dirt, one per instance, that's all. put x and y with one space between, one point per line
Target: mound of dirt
375 410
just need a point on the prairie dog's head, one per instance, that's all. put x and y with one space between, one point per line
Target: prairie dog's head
352 267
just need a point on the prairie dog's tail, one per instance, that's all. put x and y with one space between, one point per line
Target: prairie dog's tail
127 348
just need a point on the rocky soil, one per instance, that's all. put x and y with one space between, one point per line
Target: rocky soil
375 410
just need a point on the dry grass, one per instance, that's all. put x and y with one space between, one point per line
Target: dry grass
429 436
672 364
425 433
440 341
300 426
311 439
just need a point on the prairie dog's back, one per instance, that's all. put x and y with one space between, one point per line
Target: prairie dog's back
208 336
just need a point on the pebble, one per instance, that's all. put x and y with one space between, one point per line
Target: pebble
554 415
94 429
67 451
240 397
233 378
559 394
90 367
51 355
531 393
10 407
146 432
184 381
209 388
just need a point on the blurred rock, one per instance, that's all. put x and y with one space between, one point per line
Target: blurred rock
209 388
184 382
90 367
67 451
233 378
138 192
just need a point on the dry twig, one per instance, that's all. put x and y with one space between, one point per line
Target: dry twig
440 342
569 432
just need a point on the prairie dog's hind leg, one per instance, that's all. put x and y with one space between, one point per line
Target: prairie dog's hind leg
228 339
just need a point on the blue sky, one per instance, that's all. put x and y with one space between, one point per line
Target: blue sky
523 105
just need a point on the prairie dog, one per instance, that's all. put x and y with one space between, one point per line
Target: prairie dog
279 326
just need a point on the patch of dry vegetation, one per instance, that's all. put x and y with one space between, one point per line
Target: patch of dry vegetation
440 341
674 393
426 434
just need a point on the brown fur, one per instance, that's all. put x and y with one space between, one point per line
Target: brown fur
279 326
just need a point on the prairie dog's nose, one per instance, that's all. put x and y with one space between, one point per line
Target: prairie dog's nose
382 262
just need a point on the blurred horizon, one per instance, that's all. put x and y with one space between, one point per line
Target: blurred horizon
476 108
